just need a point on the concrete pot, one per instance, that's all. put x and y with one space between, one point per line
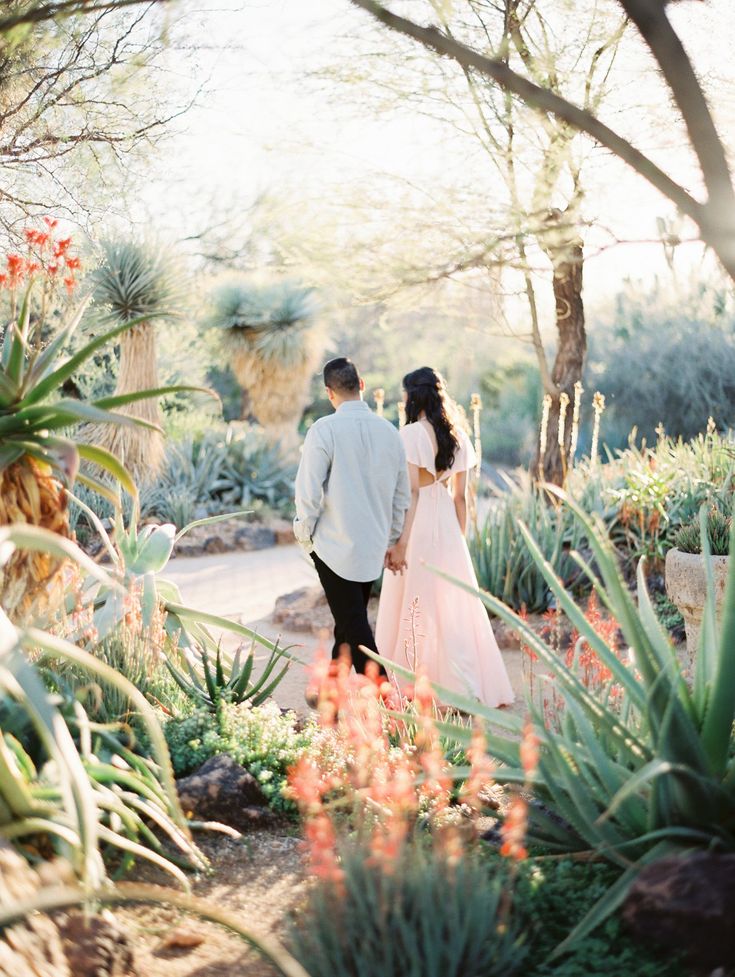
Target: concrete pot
686 586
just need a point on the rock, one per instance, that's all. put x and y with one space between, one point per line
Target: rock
688 904
65 945
182 938
255 538
505 636
214 544
96 946
31 948
222 790
303 610
284 532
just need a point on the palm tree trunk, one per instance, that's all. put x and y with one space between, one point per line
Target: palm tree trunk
139 448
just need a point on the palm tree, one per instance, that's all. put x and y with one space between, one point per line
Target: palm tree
137 281
271 339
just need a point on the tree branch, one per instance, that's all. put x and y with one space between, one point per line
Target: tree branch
665 45
543 100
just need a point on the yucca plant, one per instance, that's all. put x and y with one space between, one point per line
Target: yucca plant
269 334
136 283
208 683
646 775
38 457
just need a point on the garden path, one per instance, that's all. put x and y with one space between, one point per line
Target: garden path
245 587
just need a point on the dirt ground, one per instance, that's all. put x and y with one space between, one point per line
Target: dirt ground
259 880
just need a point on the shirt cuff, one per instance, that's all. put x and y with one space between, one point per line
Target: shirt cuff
304 540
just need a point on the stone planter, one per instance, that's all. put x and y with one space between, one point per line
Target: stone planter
686 586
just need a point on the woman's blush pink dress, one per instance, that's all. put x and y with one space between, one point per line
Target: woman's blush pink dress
424 621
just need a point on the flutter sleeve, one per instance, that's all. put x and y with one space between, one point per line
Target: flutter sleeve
466 457
418 447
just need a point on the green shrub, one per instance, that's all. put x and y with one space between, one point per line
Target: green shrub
423 919
554 896
261 738
664 359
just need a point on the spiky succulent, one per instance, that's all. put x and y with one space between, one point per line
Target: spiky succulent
719 526
136 279
271 318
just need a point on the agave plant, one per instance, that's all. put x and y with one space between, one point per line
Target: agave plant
37 455
136 284
270 336
500 555
639 774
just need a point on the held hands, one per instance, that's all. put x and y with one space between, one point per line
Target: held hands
395 558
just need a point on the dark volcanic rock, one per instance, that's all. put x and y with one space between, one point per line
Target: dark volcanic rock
96 946
221 790
255 538
688 904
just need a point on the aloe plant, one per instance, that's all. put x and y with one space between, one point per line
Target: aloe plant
653 773
500 555
38 454
208 684
138 558
84 800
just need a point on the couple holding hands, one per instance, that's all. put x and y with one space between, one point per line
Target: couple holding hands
370 497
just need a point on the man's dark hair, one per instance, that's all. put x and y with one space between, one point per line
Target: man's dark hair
341 376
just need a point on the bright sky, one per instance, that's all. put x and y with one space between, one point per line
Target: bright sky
264 126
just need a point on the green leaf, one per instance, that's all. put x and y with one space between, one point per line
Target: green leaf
718 721
210 520
19 340
122 400
112 464
54 380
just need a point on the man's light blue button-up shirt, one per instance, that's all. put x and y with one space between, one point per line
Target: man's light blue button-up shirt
352 491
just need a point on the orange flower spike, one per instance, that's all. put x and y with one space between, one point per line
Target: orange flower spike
482 770
513 830
529 750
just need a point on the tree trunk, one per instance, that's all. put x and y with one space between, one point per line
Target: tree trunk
567 259
140 449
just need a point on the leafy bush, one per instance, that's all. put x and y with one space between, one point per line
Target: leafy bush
554 896
644 494
502 561
663 360
261 738
425 918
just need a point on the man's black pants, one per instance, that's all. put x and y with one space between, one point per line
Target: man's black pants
348 602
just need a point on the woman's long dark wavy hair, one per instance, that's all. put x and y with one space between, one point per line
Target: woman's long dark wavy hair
427 392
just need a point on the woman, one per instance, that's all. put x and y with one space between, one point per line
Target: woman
424 621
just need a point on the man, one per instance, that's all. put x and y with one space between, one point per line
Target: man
352 493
